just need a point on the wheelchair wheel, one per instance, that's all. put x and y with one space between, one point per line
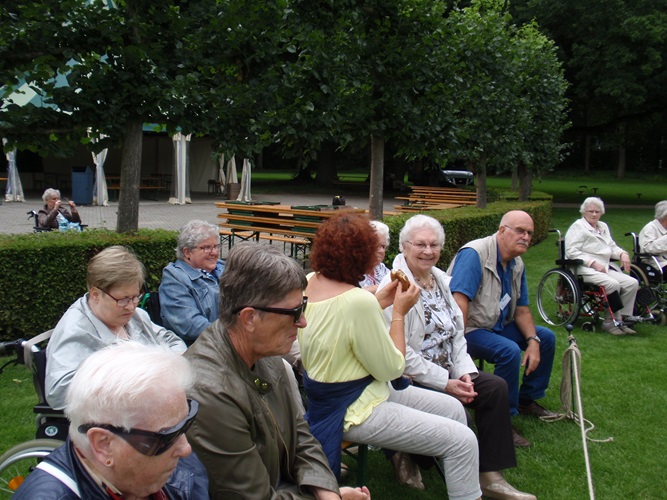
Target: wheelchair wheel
19 461
558 298
646 299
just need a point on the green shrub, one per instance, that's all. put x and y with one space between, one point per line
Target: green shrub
42 274
469 223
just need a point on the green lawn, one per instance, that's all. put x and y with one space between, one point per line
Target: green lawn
623 392
566 187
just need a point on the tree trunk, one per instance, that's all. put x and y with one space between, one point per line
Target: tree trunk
481 182
525 182
375 201
326 165
587 154
130 175
621 151
515 179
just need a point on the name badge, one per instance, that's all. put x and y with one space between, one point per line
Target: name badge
504 301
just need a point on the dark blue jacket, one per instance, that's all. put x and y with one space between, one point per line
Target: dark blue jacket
188 482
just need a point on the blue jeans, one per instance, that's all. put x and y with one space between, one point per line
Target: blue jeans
504 351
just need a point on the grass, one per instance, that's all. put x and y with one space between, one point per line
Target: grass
623 381
565 187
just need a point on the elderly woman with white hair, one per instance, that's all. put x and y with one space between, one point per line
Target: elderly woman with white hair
189 288
128 414
47 217
374 276
589 240
436 355
653 236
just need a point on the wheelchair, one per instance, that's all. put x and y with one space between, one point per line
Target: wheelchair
563 297
52 425
36 228
651 302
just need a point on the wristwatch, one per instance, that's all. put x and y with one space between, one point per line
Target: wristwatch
535 338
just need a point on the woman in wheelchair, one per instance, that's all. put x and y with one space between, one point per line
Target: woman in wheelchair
128 416
653 237
108 313
47 216
589 240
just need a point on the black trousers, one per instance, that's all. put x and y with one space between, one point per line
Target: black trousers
493 422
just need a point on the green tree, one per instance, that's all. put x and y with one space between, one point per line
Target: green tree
121 64
614 52
509 89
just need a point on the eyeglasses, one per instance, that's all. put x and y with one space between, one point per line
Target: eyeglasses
209 248
593 212
124 302
520 231
423 246
296 313
151 443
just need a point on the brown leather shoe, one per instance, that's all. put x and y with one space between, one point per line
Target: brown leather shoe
493 485
535 410
519 440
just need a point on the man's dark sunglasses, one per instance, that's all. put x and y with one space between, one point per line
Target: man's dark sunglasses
296 313
151 443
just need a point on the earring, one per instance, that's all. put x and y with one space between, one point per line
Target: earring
108 462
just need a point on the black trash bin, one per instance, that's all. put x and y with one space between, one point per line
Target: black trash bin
82 185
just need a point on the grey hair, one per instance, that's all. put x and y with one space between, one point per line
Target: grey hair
592 200
417 222
122 385
381 229
50 193
193 233
115 265
661 210
256 275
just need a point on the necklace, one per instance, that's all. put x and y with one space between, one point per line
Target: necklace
429 284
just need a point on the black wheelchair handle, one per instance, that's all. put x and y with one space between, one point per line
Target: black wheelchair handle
12 347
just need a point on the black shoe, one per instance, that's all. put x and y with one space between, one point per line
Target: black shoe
535 410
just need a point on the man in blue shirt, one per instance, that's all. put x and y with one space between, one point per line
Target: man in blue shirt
489 285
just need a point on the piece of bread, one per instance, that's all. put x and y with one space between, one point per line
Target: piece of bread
399 275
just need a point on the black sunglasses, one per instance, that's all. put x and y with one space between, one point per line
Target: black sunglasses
151 443
296 313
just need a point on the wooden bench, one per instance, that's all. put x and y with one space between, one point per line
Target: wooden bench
435 198
116 189
295 227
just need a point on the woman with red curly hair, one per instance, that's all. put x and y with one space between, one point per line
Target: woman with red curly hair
350 357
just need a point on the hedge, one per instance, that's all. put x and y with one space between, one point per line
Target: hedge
42 274
469 223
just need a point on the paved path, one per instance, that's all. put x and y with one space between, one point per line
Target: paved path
160 214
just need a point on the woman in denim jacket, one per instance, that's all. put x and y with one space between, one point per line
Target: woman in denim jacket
190 289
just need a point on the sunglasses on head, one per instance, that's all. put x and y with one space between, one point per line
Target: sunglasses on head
296 313
151 443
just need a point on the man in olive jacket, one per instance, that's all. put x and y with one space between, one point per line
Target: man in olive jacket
250 433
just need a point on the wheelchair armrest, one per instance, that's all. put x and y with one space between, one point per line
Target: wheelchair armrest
43 408
569 262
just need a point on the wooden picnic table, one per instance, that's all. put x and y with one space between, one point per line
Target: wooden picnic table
435 198
153 184
294 226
